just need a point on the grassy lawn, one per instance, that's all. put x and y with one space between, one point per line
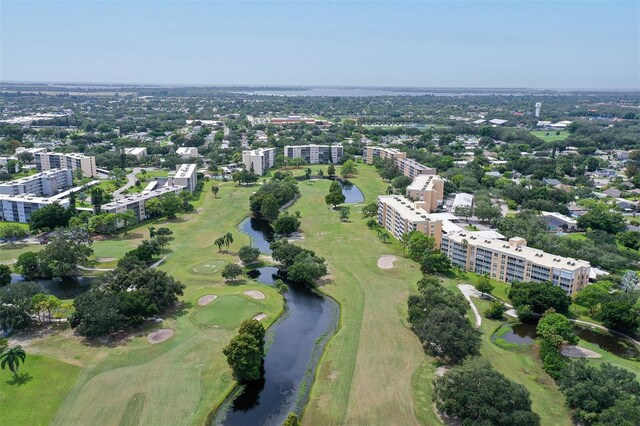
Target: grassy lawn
365 374
36 397
178 381
550 135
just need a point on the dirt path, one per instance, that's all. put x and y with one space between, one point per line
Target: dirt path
468 290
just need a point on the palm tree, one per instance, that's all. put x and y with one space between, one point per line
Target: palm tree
215 189
12 358
228 239
152 231
220 242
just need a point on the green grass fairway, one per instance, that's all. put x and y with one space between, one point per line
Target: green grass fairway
364 376
175 382
550 135
34 400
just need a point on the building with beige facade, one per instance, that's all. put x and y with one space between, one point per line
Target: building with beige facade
400 215
428 189
372 152
513 261
412 169
57 160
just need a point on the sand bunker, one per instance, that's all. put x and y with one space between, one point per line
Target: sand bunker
160 335
386 262
254 294
205 300
260 317
579 352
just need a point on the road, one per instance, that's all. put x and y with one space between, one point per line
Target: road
131 181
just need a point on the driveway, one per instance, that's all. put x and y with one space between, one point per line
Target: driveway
131 181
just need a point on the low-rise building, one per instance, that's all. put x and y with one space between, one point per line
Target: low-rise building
412 169
187 152
45 183
186 175
315 154
18 208
137 152
462 199
514 261
137 202
400 215
428 189
259 160
559 222
373 152
74 161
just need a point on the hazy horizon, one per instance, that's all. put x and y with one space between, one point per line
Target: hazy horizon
535 45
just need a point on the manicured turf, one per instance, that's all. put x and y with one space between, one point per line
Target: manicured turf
35 397
550 135
181 380
364 376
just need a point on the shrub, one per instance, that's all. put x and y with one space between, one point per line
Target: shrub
495 311
248 254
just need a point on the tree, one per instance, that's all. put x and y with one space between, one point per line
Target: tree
286 225
97 313
400 183
231 271
13 232
600 217
370 210
448 335
484 285
245 357
476 394
335 195
344 214
291 420
153 207
307 268
12 358
254 328
270 209
435 262
248 254
170 205
486 212
540 296
5 275
621 315
495 311
228 239
348 168
593 296
186 197
557 329
463 211
215 189
97 198
331 171
127 219
419 245
219 242
66 249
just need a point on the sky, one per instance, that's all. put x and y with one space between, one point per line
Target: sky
533 44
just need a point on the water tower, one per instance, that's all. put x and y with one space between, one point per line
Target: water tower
538 106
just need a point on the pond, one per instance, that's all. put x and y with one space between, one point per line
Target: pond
295 343
526 333
61 288
260 232
352 193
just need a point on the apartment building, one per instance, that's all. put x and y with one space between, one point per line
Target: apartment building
186 175
259 160
514 261
315 154
54 160
18 208
428 189
137 152
46 183
400 215
412 169
187 152
137 202
372 152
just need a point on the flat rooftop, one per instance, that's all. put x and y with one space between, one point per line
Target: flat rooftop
423 182
142 196
406 208
185 170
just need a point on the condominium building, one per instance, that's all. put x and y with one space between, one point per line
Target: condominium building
45 183
259 160
315 154
187 152
187 176
412 169
137 202
514 261
55 160
18 208
399 215
373 152
428 189
137 152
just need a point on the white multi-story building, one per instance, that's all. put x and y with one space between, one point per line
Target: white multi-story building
54 160
45 183
18 208
259 160
187 176
514 261
187 152
137 152
315 154
137 202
